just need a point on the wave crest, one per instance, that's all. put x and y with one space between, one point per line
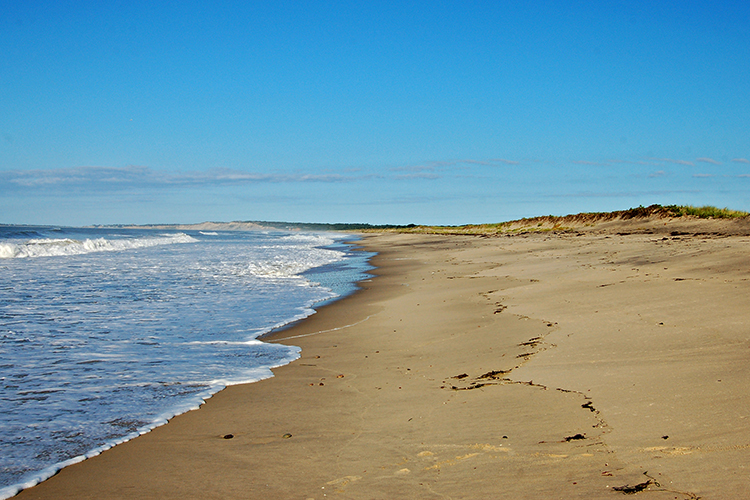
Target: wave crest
50 247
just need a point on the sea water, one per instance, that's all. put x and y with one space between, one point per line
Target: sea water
107 333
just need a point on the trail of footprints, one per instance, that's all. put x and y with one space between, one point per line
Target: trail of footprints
464 382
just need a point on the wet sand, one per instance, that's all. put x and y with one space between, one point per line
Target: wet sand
583 364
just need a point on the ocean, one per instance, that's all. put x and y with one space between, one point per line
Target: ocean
107 333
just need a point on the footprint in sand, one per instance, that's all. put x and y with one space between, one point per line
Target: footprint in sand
343 481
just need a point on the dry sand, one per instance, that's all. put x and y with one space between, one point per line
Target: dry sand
533 366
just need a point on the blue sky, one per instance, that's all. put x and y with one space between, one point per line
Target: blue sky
406 112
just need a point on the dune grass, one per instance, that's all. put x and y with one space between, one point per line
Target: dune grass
705 212
569 222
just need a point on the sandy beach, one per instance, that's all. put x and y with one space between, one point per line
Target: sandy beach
606 360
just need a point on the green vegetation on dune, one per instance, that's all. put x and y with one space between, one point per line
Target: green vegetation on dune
568 222
706 212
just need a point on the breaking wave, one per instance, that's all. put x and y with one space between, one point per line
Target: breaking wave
49 247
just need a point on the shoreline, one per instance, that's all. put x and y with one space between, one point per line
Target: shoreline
210 390
277 335
541 365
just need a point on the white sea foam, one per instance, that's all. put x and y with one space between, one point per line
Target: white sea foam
314 239
296 254
49 247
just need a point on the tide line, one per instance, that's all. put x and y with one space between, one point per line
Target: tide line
321 331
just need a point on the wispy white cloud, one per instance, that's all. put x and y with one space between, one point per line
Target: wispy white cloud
458 164
474 162
77 176
414 168
592 163
658 173
617 194
136 176
703 176
503 160
708 160
741 160
639 162
670 160
418 175
464 161
429 166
